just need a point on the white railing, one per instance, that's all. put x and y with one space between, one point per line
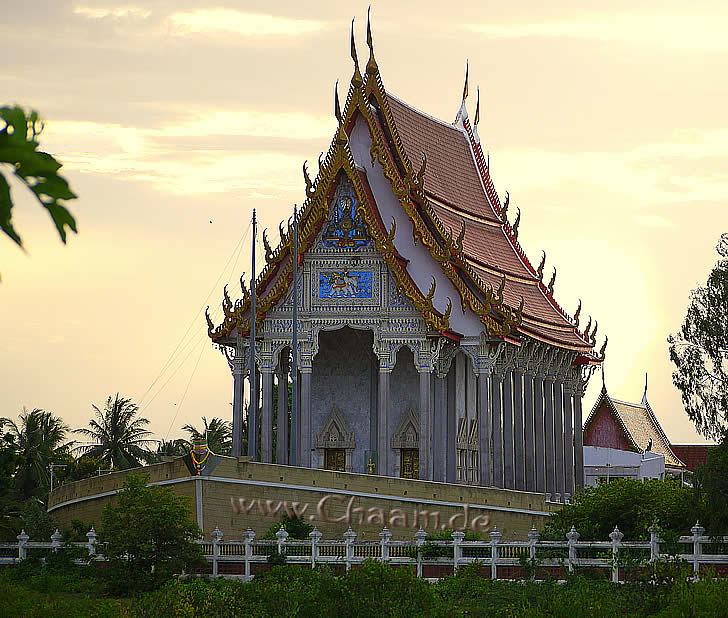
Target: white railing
493 554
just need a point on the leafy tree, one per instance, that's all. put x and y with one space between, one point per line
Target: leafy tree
711 488
39 439
218 433
37 170
700 352
298 529
632 505
174 448
149 531
9 507
118 434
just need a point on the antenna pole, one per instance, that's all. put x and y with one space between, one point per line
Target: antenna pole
293 438
253 373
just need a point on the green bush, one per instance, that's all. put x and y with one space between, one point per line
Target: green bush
629 504
149 535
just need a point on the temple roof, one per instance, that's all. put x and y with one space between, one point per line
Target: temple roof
455 211
640 426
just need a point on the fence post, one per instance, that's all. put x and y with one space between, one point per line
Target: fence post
22 542
56 538
616 537
281 537
654 531
216 536
385 535
248 538
315 536
420 537
91 544
572 536
533 536
697 531
495 537
457 551
349 538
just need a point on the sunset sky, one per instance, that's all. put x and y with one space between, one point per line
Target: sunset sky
606 122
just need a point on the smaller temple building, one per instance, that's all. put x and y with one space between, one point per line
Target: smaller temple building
623 439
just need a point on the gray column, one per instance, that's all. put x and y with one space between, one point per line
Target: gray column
568 440
519 447
238 385
559 438
578 443
548 423
305 424
539 434
253 418
508 471
439 429
383 446
496 428
484 449
282 420
425 426
451 426
266 419
529 440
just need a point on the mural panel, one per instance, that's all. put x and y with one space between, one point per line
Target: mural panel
345 284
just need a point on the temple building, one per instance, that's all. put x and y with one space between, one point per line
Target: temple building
430 346
615 427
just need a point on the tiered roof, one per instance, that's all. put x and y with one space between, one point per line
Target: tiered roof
455 211
638 425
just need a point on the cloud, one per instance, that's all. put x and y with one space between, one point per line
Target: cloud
147 155
684 32
671 172
219 20
119 12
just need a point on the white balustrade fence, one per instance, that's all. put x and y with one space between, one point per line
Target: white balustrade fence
504 559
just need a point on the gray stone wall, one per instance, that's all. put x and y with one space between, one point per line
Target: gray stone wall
404 395
342 377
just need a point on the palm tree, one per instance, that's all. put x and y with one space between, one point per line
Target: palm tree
173 448
118 435
38 438
217 432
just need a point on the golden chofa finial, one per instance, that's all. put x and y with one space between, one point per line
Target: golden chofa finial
465 86
504 209
577 314
431 292
539 270
552 282
337 107
477 108
372 68
210 325
356 78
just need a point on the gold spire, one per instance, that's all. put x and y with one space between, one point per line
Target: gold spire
337 107
372 67
465 87
356 78
477 108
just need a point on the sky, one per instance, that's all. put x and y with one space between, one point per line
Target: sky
606 122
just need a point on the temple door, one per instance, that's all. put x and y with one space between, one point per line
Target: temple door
335 459
410 463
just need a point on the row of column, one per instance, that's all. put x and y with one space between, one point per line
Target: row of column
527 425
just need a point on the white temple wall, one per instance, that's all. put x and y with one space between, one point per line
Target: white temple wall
342 377
421 267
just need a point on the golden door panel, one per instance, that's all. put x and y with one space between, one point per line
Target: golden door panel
335 459
410 463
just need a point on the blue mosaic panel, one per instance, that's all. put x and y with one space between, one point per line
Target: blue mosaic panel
346 284
346 227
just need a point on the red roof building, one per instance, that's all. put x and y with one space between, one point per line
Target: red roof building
403 237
